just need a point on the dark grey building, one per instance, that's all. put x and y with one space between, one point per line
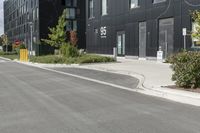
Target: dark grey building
42 14
138 28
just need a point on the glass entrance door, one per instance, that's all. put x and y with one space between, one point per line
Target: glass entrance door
166 36
121 43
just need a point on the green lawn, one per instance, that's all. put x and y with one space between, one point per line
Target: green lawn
12 57
55 59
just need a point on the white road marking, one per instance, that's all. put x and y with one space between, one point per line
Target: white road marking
2 61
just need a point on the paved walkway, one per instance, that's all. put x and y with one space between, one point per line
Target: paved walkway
155 74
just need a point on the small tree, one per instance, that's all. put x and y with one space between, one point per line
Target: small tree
57 34
1 41
196 18
4 39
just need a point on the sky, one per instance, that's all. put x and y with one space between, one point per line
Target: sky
1 17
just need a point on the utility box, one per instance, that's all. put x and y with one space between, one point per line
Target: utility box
23 55
160 56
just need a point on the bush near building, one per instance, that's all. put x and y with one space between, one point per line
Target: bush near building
186 64
186 67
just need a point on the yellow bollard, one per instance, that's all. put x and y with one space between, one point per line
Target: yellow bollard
23 55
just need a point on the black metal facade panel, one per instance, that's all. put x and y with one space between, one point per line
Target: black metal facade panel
121 18
81 24
49 12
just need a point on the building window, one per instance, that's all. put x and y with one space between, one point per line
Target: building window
71 13
104 7
70 3
91 9
158 1
71 25
133 3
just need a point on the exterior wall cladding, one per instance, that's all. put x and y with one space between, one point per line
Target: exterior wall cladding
43 14
121 17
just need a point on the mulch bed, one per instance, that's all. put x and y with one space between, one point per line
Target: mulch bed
197 90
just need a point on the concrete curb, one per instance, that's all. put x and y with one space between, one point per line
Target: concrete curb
180 96
5 58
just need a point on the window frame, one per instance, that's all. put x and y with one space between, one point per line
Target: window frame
90 14
102 7
130 3
161 1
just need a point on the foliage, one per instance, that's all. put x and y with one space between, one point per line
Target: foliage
73 38
4 39
7 48
90 58
9 55
48 59
76 60
57 34
1 41
186 67
196 18
17 48
12 56
1 53
68 50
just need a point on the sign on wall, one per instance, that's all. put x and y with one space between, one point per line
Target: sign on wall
103 32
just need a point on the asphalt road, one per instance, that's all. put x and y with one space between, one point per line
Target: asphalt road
33 100
118 79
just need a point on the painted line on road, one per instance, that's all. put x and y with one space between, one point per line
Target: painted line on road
5 59
90 79
149 92
2 61
85 78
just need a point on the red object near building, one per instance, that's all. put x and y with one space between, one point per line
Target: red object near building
17 42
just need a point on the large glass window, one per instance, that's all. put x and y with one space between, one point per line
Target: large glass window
133 3
71 3
71 25
71 13
91 9
104 7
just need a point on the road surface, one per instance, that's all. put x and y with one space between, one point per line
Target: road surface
33 100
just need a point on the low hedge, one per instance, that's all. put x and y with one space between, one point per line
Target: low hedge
8 53
89 58
49 59
55 59
186 67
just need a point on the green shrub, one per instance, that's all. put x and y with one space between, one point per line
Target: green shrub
22 46
186 67
53 59
2 53
89 58
8 53
68 50
49 59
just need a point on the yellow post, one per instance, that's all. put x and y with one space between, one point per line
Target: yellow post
24 55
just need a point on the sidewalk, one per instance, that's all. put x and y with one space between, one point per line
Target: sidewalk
154 74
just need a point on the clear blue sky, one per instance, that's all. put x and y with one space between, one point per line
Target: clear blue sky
1 17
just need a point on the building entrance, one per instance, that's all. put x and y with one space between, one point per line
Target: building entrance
121 43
